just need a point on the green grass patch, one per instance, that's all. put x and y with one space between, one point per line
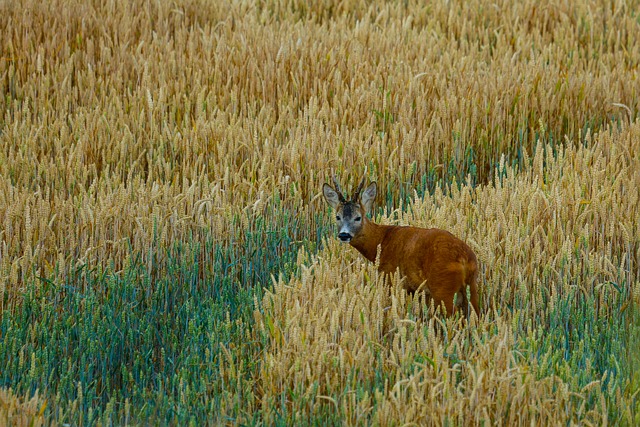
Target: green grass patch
148 343
584 342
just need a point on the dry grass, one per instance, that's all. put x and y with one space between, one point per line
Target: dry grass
128 127
549 239
16 412
121 121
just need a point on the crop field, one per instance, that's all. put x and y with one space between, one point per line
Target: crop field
167 258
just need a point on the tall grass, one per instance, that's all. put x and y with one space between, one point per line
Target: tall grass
20 412
159 161
132 347
554 345
120 119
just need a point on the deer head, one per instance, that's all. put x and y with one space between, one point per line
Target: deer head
350 214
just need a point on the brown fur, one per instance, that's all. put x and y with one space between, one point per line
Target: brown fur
430 260
434 259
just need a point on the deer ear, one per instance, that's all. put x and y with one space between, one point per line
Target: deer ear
368 196
331 196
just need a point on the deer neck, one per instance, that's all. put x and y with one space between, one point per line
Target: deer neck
367 241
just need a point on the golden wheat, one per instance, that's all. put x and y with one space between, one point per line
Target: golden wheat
542 231
15 412
119 118
127 127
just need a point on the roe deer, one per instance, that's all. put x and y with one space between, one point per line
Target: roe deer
432 260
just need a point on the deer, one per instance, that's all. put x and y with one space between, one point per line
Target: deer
428 259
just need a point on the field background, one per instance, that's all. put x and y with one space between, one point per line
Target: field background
166 257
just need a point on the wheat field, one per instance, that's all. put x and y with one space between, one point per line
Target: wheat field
166 256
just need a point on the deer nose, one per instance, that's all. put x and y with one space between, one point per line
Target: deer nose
345 237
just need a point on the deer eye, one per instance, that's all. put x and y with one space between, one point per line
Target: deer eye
358 219
338 217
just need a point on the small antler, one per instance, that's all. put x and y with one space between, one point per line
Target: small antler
340 196
356 194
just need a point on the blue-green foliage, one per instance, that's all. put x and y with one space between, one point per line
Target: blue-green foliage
583 338
633 360
152 335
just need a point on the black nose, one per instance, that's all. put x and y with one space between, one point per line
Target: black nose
345 237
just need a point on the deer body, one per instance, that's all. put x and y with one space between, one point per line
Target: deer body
429 260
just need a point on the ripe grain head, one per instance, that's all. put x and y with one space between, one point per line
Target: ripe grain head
549 240
122 121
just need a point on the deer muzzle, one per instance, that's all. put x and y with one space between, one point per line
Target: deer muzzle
345 237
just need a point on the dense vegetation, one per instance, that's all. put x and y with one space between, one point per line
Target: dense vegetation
166 257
